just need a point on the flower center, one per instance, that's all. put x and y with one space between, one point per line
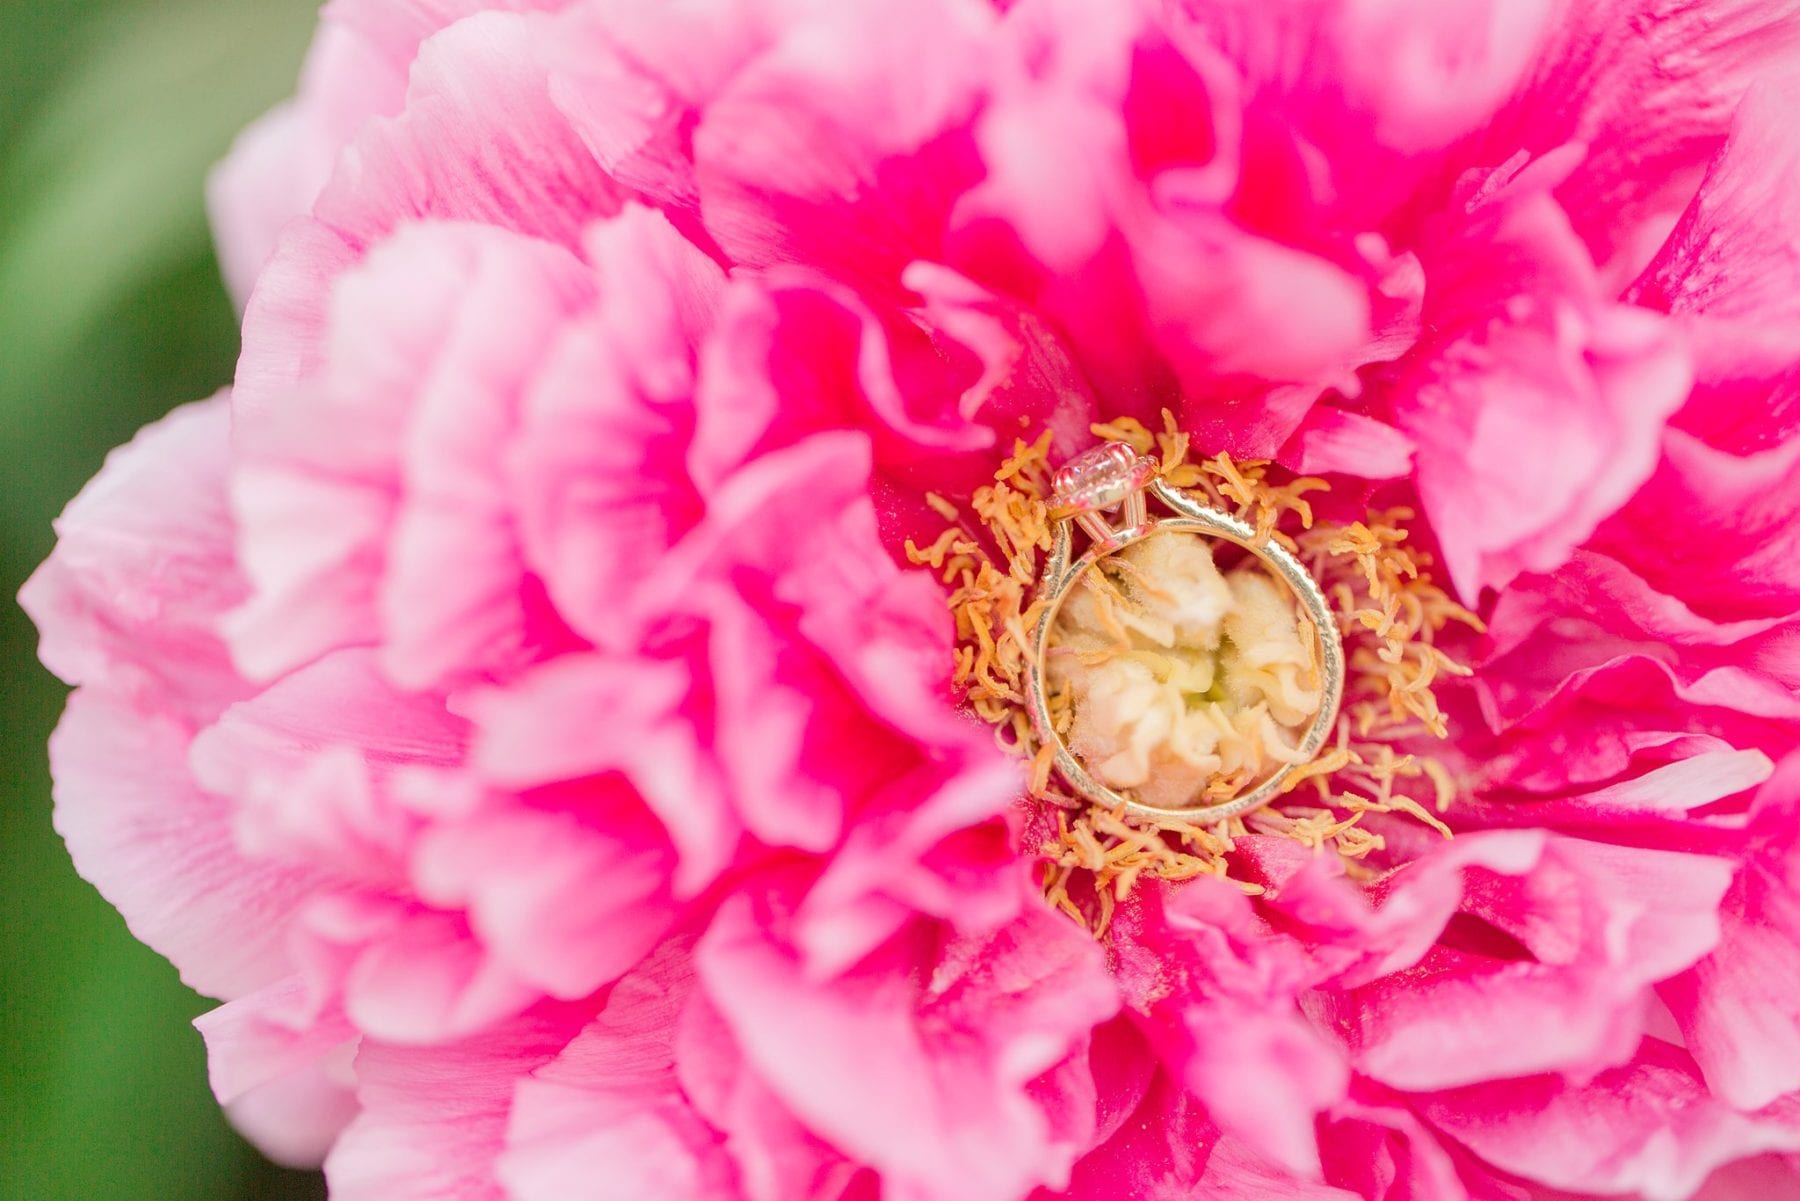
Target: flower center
1179 675
1185 684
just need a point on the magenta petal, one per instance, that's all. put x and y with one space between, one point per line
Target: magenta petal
1737 1008
1645 1127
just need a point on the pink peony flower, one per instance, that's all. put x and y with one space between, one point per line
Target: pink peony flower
515 700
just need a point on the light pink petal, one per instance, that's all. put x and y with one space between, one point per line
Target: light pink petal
161 849
1739 1009
477 140
296 1119
432 340
282 1071
597 472
1646 1127
1527 345
1336 440
270 1034
404 974
396 28
308 762
256 191
925 1081
607 1119
587 716
288 316
434 1119
569 900
143 570
278 166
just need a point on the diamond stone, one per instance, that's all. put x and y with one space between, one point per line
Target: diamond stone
1101 478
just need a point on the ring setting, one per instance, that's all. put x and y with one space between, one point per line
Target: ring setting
1106 494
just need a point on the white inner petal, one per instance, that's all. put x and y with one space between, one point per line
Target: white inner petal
1182 676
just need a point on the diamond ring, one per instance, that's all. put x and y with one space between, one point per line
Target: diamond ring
1106 495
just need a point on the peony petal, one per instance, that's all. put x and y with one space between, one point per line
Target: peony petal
143 570
607 1119
477 140
926 1084
433 339
1645 1127
433 1120
1737 1008
161 850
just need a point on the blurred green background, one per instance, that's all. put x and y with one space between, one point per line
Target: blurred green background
111 313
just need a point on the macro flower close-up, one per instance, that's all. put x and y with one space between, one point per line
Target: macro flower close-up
962 600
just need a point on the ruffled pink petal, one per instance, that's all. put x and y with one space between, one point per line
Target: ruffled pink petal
1544 971
950 854
309 764
1532 348
568 899
1156 286
1168 1150
777 1158
923 1076
1647 1127
1738 550
432 342
1658 87
596 471
589 716
433 1120
1676 806
1375 1146
404 974
1559 644
1738 1008
843 142
607 1118
1218 993
795 355
161 850
143 569
826 667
